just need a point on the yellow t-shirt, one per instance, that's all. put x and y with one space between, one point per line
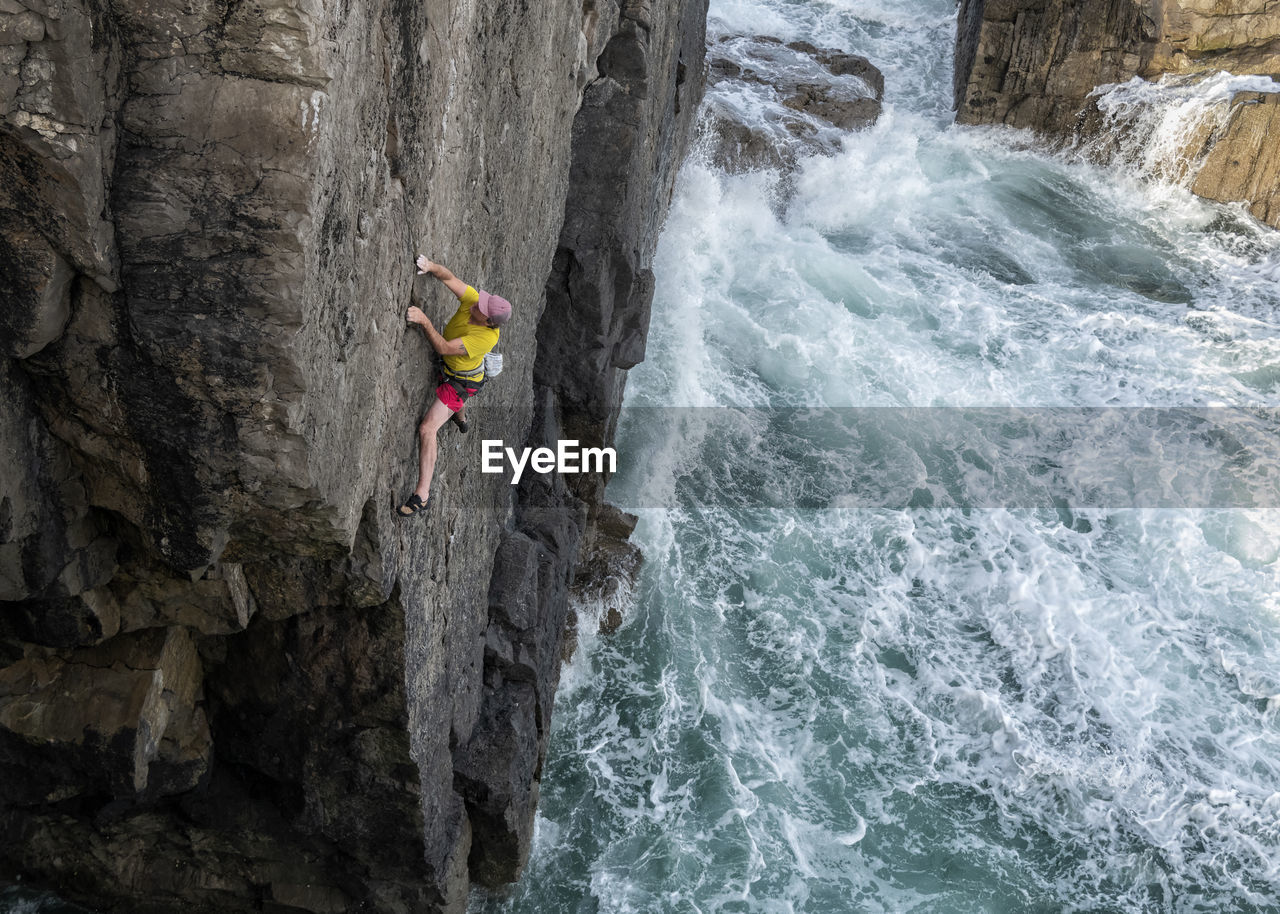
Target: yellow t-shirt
478 338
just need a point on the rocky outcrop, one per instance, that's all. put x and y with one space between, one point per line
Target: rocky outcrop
822 94
1239 36
230 678
121 718
1035 63
1243 164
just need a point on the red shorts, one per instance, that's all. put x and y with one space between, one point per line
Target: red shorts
449 397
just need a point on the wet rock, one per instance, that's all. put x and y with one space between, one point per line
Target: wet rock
803 99
737 147
607 575
611 621
498 767
1244 164
497 775
841 64
847 114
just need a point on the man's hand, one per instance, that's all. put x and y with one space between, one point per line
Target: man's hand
441 272
418 316
438 343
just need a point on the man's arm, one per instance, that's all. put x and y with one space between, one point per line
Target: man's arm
438 343
441 272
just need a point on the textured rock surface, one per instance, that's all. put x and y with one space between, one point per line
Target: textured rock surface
232 678
1240 36
1244 164
118 719
827 92
1033 63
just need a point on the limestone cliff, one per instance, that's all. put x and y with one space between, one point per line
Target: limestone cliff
230 677
1034 63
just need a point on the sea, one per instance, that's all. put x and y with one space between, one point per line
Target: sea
956 466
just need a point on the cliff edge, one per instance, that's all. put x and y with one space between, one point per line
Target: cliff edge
230 677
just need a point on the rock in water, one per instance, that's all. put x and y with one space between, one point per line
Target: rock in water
800 100
1244 164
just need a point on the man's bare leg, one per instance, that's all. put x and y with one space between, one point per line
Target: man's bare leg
436 416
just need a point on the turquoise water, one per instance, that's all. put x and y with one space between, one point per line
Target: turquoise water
1063 701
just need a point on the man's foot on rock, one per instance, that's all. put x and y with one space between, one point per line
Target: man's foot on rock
413 505
462 423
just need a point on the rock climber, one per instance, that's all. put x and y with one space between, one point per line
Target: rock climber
470 334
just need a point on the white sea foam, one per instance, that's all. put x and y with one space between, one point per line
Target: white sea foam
1166 125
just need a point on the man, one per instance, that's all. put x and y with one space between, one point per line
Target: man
470 333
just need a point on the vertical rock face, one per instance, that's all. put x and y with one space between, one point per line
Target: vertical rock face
1034 63
230 677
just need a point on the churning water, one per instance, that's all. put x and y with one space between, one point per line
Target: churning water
957 475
